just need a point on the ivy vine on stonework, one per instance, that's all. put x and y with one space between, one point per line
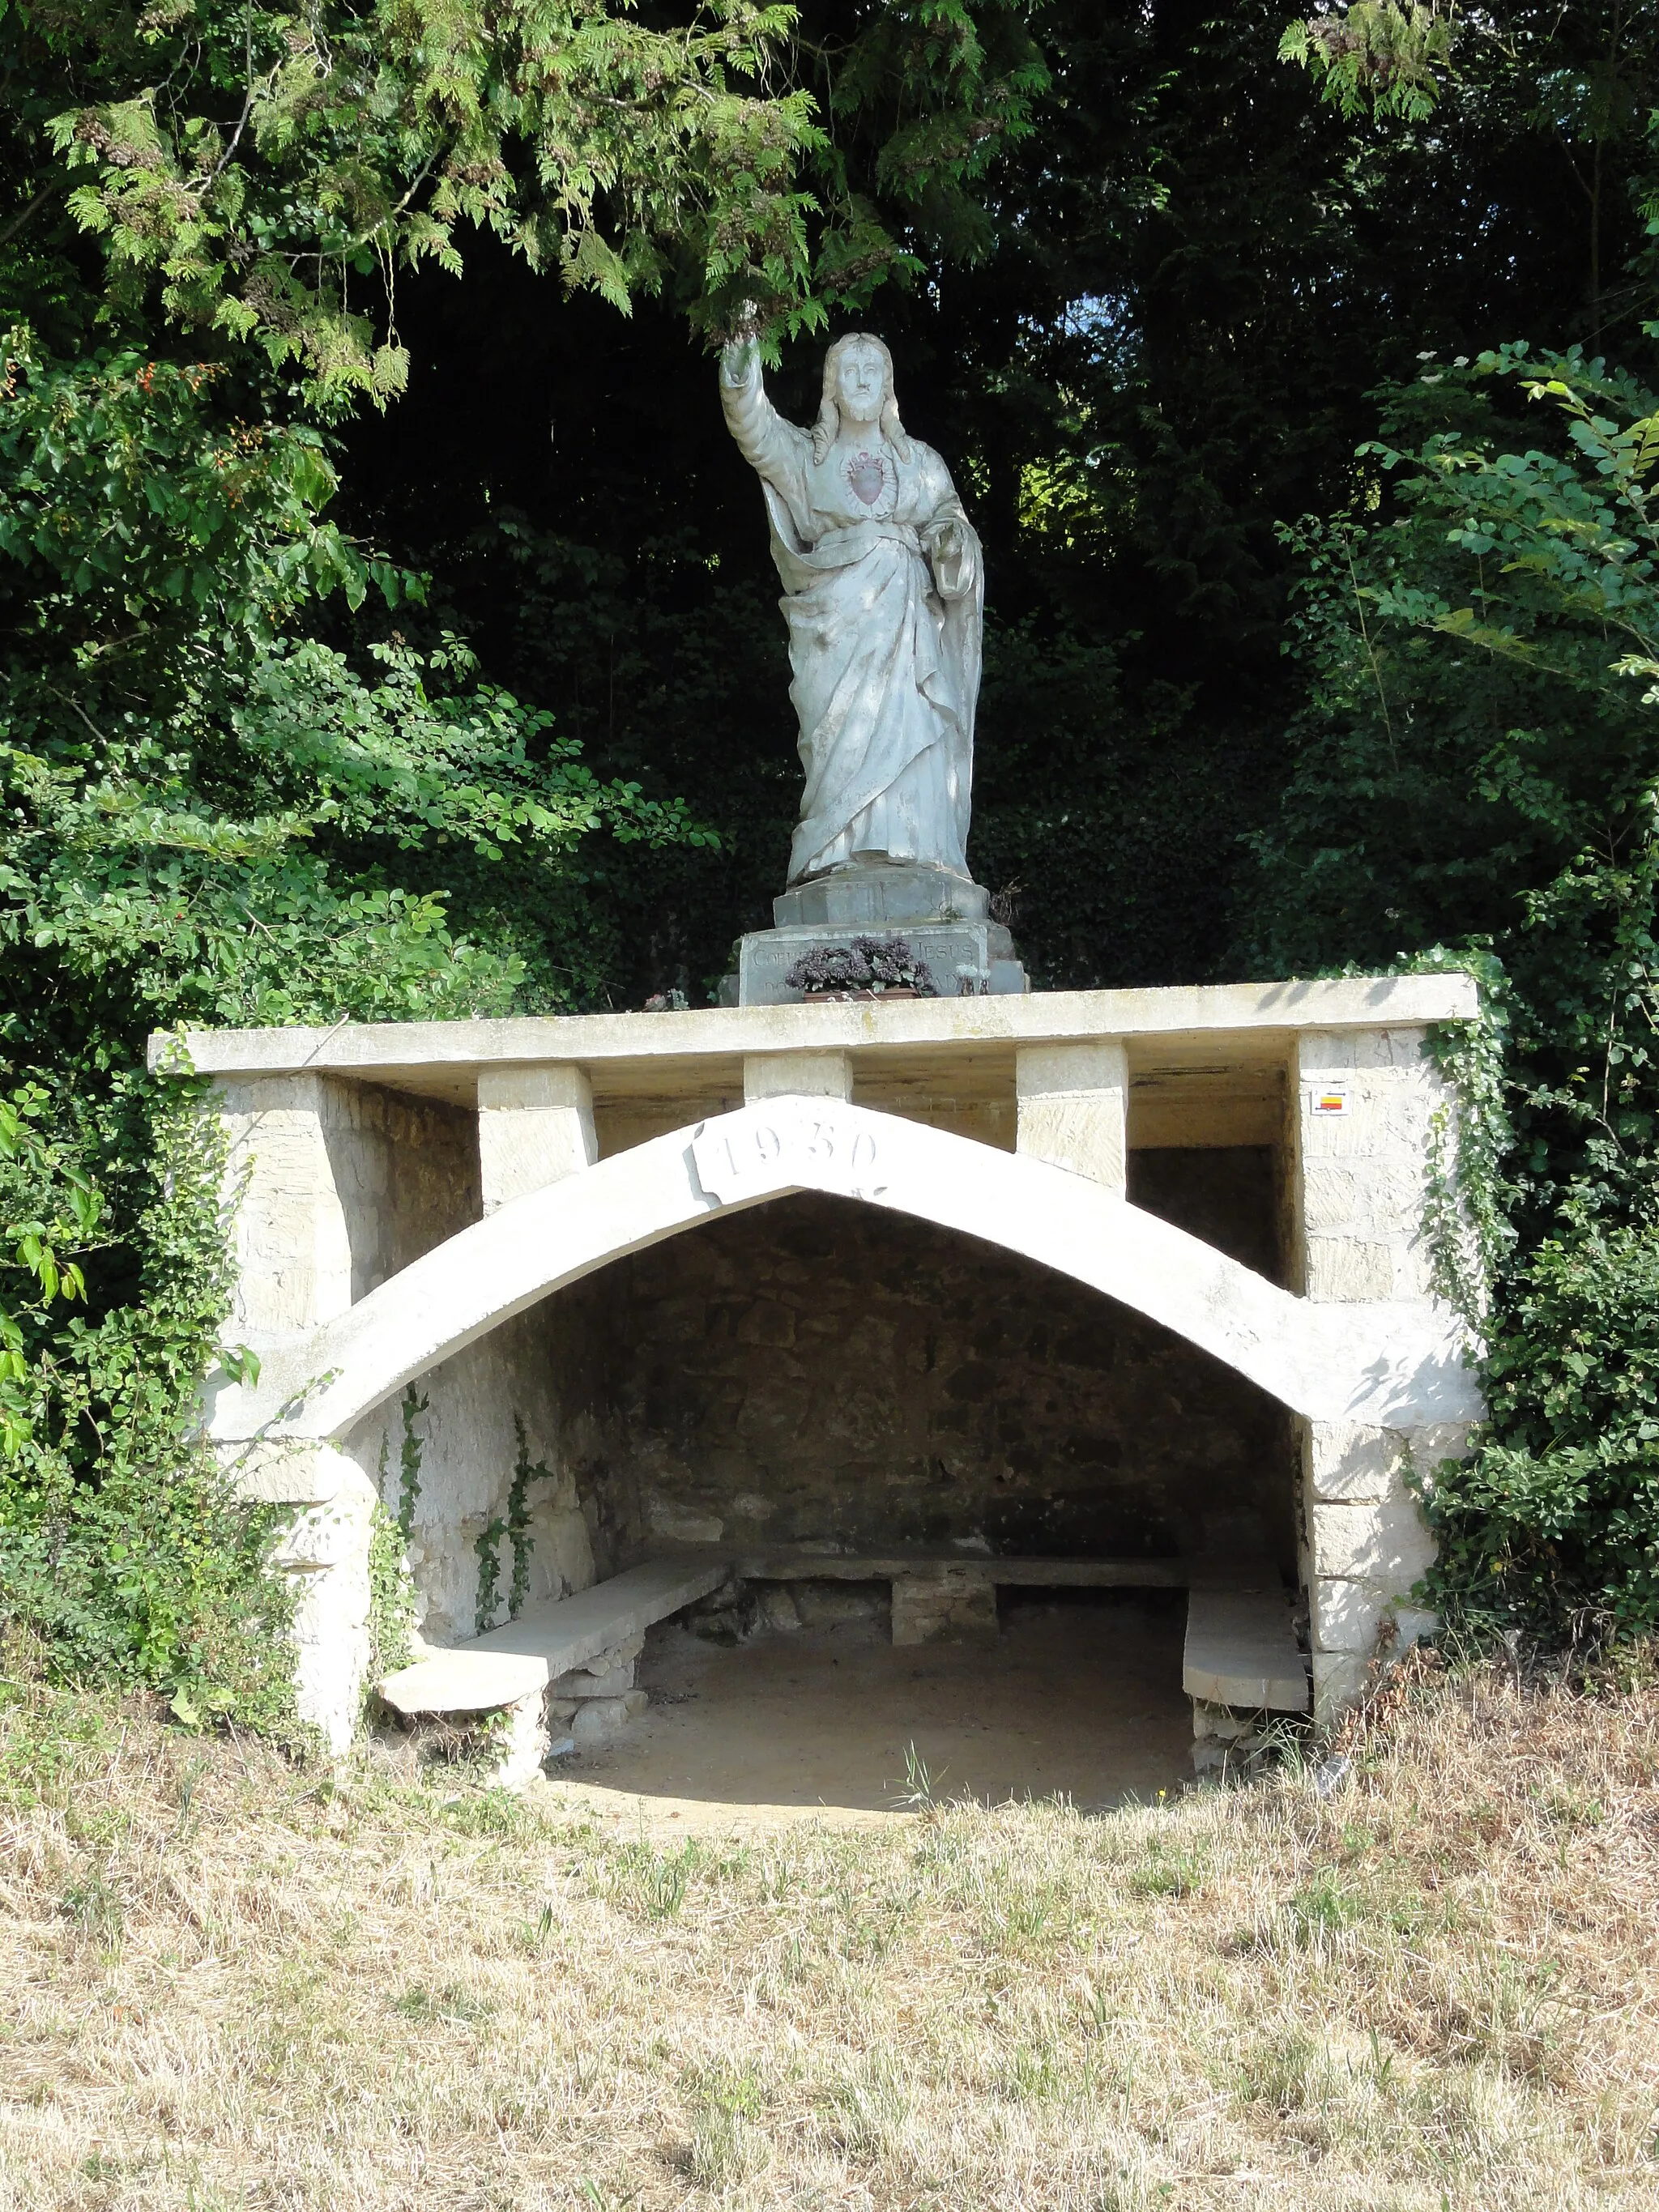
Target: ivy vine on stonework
524 1471
409 1461
1551 1523
486 1546
1465 1210
124 1544
390 1599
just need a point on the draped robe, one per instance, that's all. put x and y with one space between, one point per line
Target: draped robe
884 630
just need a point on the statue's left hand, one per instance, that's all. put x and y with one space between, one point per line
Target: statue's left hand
742 350
947 546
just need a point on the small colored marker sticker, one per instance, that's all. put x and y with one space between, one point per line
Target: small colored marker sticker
1330 1102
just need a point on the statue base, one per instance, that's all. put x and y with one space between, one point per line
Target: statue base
871 897
966 959
944 917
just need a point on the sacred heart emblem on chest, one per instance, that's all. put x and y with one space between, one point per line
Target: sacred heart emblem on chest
867 477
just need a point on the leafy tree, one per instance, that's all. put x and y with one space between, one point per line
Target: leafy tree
209 816
232 794
1377 57
1553 1524
268 175
202 793
1478 760
1571 89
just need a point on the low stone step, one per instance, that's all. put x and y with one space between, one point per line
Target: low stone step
550 1639
1242 1650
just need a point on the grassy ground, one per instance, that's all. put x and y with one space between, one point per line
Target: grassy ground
223 1982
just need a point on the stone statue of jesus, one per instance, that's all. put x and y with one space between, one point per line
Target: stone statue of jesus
884 593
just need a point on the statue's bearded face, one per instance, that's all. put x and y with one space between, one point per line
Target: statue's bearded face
860 384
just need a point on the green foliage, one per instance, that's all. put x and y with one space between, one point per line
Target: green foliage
1376 57
411 1405
1481 757
390 1598
487 1548
272 173
654 1883
524 1471
1554 1522
1566 534
1478 759
1466 1210
217 807
208 815
940 89
267 179
48 1203
122 1544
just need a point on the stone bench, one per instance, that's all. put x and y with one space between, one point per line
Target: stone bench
511 1669
952 1593
1243 1605
1241 1662
1242 1650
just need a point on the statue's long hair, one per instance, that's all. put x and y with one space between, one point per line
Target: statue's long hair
828 422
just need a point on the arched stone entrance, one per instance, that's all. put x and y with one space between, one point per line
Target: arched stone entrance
1381 1363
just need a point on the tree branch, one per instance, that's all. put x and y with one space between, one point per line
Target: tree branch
8 230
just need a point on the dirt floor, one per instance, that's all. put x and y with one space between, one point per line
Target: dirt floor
1077 1696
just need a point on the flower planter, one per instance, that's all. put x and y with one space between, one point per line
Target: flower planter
894 991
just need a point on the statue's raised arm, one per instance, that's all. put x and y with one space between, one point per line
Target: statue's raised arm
884 594
766 442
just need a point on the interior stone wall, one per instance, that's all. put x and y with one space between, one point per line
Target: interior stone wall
816 1372
406 1171
501 1404
536 1391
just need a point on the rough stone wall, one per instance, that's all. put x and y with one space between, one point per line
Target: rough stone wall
816 1372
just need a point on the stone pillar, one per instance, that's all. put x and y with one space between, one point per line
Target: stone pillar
1074 1107
943 1606
299 1171
1360 1142
535 1127
1364 1101
290 1237
796 1075
1367 1544
325 1554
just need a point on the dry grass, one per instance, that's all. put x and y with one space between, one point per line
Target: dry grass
222 1983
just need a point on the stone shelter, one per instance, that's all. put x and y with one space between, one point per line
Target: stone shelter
612 1313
